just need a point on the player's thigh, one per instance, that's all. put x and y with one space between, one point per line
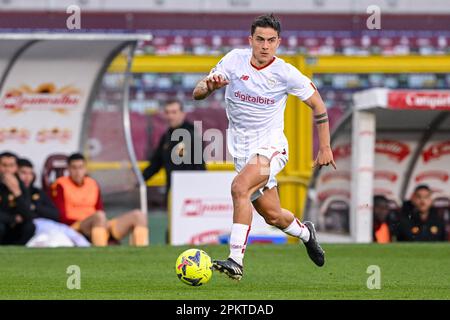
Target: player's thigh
97 219
253 176
268 205
122 225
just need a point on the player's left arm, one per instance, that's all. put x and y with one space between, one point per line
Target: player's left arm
325 154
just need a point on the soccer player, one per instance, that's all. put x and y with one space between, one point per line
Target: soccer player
16 224
41 205
419 220
80 204
257 85
44 213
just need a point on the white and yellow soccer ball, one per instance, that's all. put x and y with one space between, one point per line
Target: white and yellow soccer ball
194 267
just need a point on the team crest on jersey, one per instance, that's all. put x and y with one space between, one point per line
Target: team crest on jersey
271 82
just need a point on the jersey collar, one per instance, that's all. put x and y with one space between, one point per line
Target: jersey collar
262 67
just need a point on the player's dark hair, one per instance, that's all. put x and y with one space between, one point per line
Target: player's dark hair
8 154
172 101
266 21
422 187
75 156
379 199
24 163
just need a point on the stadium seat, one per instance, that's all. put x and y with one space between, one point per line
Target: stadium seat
336 217
442 204
54 167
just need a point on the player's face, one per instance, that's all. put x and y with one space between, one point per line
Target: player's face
264 43
26 175
174 115
422 200
77 171
381 210
8 165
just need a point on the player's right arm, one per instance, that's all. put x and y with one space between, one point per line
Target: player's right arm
219 77
156 162
207 86
57 195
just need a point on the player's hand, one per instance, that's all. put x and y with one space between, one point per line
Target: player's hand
324 158
18 218
12 183
216 81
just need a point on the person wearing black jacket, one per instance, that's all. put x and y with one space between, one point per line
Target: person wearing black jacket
176 149
419 221
16 224
41 205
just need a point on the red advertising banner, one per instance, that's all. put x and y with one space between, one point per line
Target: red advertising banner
420 100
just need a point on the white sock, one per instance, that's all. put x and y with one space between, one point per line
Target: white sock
298 229
238 242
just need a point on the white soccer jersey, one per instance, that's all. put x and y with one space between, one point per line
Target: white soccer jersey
256 99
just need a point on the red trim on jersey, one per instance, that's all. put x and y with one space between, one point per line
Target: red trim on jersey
246 239
312 85
260 68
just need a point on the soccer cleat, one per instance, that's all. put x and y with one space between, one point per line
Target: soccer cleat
313 247
229 267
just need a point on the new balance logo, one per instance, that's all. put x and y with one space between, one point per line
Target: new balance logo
244 77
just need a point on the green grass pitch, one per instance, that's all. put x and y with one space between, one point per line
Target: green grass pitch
408 271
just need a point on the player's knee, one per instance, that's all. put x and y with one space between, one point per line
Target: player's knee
273 219
139 217
239 189
100 218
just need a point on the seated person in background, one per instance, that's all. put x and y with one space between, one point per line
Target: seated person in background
80 205
41 205
419 221
44 213
16 224
381 230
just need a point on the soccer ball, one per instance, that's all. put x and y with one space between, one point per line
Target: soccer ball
194 267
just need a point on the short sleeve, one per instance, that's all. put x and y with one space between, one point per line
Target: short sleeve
299 85
224 66
99 204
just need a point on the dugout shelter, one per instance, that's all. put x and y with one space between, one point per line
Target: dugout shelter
390 142
49 85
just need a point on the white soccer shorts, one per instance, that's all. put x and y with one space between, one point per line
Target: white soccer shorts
278 158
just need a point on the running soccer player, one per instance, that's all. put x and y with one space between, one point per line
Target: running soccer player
257 85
